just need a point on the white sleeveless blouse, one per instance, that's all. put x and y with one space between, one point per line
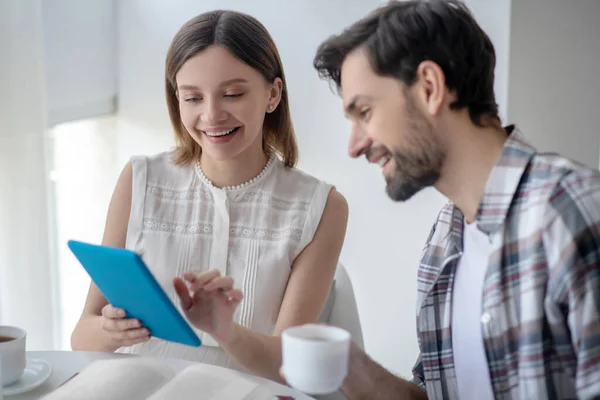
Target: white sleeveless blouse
180 222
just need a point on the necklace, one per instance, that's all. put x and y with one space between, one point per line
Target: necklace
240 186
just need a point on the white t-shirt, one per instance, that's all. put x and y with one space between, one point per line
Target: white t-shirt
472 371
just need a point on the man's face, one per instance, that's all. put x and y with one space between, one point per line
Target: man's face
389 129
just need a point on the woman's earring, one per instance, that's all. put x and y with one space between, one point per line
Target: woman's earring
270 107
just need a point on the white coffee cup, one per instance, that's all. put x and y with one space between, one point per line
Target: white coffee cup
315 358
12 353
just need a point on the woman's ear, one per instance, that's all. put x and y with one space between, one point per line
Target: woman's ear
275 94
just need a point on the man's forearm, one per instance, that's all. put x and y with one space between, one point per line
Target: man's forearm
369 380
261 355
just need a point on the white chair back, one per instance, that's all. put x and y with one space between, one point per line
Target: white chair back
340 310
344 312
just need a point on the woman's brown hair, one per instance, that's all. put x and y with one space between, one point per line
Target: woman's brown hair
248 40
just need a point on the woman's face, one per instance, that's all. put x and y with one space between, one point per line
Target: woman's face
223 103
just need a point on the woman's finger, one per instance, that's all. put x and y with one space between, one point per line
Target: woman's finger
109 311
119 325
224 283
231 298
183 292
234 296
190 277
196 281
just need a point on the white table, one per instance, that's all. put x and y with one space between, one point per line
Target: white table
67 363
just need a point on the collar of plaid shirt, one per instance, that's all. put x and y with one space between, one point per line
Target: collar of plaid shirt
539 284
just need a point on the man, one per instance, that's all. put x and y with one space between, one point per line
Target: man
509 280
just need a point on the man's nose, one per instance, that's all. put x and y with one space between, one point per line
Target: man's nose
359 142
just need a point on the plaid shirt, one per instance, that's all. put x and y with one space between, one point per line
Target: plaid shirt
541 299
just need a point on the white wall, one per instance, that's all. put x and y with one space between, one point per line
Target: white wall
384 239
494 18
80 58
554 88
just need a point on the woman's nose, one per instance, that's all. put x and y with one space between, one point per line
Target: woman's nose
214 112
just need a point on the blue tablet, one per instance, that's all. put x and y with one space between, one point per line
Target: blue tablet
126 282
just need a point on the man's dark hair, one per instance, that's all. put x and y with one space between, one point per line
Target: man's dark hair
402 34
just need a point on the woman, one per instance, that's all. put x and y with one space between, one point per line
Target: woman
227 198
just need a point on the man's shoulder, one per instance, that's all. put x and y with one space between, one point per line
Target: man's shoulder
573 203
560 199
561 185
553 170
570 227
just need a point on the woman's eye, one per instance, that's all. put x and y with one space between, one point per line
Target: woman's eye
364 113
192 100
234 95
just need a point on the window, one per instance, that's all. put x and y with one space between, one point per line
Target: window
83 175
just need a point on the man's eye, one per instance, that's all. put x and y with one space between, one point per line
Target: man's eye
364 113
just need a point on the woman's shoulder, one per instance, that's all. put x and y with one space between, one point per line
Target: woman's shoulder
162 166
296 174
295 184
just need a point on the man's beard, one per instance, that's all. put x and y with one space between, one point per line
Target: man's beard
420 164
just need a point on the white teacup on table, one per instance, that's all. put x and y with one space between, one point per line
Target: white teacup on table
18 373
315 358
12 353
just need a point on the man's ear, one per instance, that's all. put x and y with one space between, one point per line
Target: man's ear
432 86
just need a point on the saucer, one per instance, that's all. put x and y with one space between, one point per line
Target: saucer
36 373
